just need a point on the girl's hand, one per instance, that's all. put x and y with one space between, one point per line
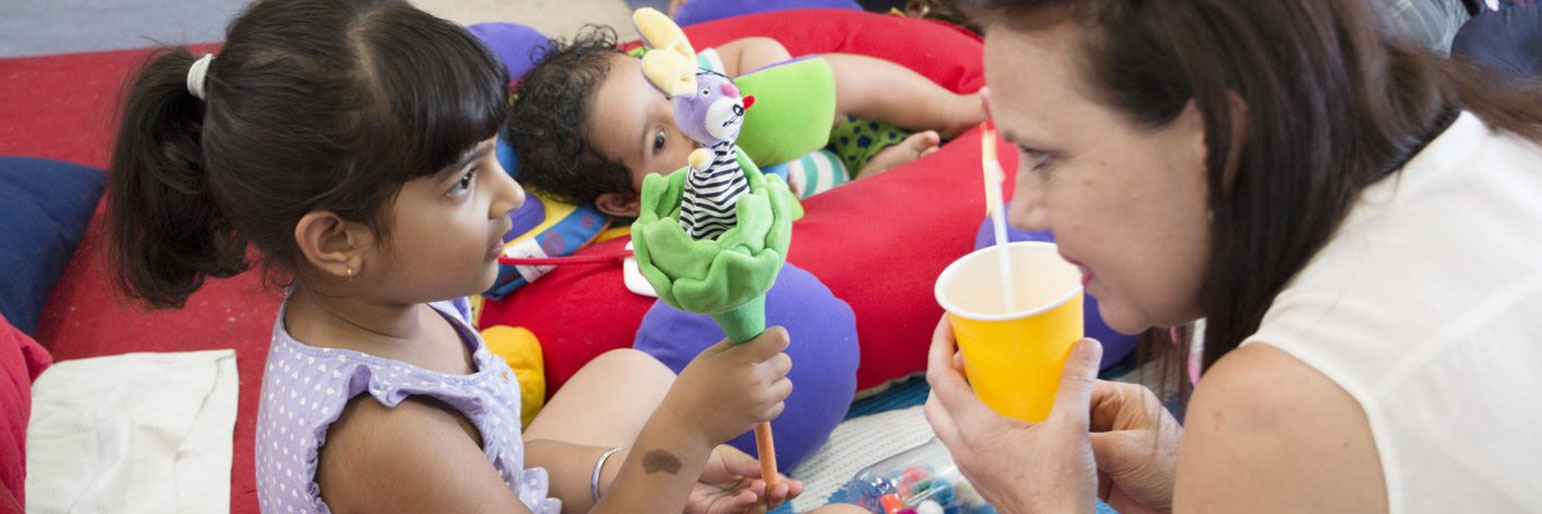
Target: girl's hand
731 484
729 388
1016 466
1136 441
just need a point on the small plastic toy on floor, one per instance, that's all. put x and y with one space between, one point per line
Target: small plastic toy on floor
921 480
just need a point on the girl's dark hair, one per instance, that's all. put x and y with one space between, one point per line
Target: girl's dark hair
1332 105
311 105
549 124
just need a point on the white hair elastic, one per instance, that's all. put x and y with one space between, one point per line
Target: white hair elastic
197 74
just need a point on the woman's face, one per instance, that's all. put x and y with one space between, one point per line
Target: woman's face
1126 203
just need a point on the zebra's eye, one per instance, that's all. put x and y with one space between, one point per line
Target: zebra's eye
706 92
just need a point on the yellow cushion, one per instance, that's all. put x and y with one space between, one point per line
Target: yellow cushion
519 347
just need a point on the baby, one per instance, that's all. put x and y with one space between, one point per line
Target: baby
587 126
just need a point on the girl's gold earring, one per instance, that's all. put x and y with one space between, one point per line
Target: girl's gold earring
350 273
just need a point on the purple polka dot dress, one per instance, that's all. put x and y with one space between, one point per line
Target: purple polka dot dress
305 388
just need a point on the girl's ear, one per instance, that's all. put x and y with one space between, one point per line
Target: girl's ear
332 245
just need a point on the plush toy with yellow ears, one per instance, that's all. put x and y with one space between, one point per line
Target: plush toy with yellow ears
712 237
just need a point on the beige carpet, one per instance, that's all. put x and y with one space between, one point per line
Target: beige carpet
551 17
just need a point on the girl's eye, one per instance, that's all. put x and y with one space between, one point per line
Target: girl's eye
465 182
659 140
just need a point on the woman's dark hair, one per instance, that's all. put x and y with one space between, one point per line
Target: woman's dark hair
549 125
311 105
1332 105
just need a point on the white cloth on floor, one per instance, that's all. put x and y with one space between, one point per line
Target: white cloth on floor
134 433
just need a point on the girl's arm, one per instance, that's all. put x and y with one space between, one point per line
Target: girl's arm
571 468
422 457
416 457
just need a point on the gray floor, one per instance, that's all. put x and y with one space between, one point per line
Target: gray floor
41 27
36 27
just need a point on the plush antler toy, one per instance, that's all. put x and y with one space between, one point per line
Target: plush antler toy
710 239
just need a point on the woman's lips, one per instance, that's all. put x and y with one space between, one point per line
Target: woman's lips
1087 273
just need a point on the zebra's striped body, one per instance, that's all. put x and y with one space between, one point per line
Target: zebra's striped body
707 209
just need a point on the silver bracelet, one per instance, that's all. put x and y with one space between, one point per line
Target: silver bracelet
594 479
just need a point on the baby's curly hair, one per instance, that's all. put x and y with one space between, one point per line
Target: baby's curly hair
549 123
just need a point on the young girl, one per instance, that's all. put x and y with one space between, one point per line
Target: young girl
350 142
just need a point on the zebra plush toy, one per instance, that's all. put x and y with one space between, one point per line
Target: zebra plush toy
712 115
708 109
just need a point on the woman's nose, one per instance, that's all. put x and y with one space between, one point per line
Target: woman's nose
1028 216
1027 210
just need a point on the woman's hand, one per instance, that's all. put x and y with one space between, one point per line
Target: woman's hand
1018 467
731 484
1136 442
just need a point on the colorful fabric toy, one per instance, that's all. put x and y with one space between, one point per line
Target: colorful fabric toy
727 274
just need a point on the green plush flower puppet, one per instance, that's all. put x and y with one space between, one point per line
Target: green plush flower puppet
711 238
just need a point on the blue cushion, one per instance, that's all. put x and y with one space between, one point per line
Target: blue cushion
1508 41
44 209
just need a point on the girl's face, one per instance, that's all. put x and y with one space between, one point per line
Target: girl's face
446 230
1125 202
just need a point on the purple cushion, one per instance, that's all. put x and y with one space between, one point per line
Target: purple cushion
1115 345
700 11
512 43
823 350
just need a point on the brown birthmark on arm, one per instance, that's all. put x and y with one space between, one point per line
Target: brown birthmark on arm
660 460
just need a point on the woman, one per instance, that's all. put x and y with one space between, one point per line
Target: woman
1359 223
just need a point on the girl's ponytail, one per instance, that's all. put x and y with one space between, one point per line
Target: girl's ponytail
169 232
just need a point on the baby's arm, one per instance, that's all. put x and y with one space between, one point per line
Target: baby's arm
869 88
879 90
741 56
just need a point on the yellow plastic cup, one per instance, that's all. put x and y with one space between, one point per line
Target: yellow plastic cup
1013 355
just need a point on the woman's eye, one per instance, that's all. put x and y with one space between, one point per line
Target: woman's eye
658 141
1037 160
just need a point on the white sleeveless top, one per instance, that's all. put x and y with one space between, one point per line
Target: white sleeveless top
1426 306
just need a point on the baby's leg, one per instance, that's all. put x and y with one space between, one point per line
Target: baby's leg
606 403
879 90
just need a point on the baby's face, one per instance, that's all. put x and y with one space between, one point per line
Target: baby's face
632 123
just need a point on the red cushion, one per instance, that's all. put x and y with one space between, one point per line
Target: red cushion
62 107
21 361
880 259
